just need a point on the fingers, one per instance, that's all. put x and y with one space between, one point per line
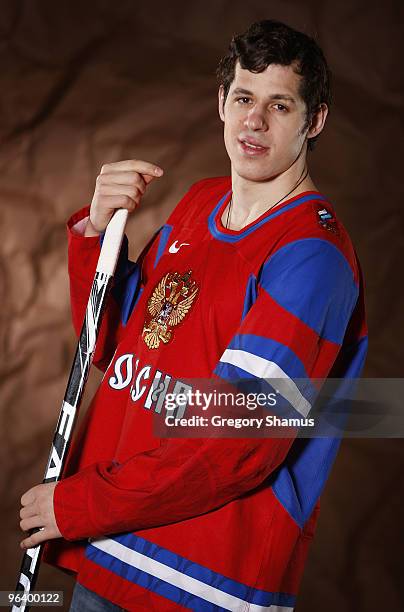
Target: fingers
133 192
121 178
48 532
112 202
119 185
30 523
134 165
35 539
38 513
28 511
28 497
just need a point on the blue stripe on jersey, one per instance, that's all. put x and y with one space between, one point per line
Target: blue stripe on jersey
131 295
311 279
216 233
125 289
272 351
149 582
208 579
164 236
300 480
250 294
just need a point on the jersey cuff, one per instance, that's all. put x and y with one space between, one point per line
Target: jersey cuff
70 504
75 229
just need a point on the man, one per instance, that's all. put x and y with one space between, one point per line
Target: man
264 283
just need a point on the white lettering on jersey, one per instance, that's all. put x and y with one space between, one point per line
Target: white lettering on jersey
138 391
119 381
154 391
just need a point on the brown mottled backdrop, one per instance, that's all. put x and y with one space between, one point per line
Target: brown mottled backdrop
83 83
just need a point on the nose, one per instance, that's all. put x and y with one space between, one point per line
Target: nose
255 119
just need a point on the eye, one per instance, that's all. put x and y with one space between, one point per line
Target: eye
243 100
280 107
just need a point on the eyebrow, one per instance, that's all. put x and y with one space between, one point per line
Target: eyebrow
277 96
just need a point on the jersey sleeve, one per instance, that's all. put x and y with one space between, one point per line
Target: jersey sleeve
306 295
83 253
294 329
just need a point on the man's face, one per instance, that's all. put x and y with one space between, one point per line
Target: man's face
264 116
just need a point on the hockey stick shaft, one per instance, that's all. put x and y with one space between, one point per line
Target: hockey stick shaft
76 384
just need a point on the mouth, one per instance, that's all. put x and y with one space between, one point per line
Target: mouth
252 148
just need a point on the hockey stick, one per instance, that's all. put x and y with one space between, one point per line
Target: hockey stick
75 387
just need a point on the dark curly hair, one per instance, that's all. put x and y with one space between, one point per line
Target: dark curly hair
272 42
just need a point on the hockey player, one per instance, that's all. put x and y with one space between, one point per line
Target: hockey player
251 277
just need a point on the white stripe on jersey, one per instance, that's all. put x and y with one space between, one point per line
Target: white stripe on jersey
180 580
270 371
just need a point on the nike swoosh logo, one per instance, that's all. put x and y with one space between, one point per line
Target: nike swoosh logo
174 248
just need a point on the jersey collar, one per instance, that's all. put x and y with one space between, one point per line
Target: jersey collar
218 230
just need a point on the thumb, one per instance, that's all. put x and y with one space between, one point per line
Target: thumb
149 177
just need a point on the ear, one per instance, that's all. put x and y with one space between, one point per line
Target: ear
221 102
318 121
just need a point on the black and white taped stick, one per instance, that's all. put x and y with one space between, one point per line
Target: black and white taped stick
75 387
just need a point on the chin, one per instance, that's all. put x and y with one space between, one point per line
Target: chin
249 173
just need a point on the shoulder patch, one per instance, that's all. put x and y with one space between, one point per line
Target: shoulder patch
326 218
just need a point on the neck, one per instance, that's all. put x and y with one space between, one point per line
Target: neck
250 199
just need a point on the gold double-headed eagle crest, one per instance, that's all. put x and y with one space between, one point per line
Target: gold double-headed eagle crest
168 305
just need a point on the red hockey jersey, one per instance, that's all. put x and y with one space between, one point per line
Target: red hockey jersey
207 524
